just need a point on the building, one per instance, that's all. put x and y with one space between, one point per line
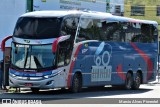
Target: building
143 9
116 7
94 5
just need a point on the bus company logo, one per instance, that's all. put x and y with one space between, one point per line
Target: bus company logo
105 57
86 45
102 70
84 51
27 41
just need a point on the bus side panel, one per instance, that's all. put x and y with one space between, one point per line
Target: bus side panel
100 63
88 71
117 60
97 59
80 64
146 60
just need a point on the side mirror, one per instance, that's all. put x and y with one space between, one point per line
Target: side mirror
57 41
4 42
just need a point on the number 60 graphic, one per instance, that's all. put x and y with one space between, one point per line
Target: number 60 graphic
105 57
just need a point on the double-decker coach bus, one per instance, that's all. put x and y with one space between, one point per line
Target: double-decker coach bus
76 49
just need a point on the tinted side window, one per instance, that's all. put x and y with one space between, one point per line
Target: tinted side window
145 34
131 29
129 32
85 30
96 29
97 26
69 26
89 29
112 31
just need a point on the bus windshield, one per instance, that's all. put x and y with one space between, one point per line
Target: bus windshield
37 28
32 57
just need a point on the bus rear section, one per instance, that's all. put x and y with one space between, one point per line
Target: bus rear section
116 51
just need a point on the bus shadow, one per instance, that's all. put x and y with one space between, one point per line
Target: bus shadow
54 95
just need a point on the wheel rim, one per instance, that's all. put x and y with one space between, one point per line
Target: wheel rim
129 81
76 84
137 81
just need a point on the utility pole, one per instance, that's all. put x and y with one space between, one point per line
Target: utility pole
29 5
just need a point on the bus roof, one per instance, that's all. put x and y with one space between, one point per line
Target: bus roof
126 19
64 13
91 14
48 13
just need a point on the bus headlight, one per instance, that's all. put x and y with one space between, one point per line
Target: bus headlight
13 75
47 76
53 74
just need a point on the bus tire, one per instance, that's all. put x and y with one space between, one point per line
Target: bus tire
35 90
137 81
129 81
76 83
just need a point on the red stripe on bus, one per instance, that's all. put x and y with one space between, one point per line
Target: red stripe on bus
120 72
72 65
55 44
146 59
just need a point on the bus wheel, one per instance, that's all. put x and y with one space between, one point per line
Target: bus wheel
76 83
129 81
35 90
137 81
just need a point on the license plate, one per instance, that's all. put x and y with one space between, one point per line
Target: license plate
28 84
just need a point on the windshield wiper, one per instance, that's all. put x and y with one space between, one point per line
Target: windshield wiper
25 61
38 64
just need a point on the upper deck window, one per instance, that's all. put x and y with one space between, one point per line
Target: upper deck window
37 28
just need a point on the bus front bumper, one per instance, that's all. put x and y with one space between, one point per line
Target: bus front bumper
43 83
